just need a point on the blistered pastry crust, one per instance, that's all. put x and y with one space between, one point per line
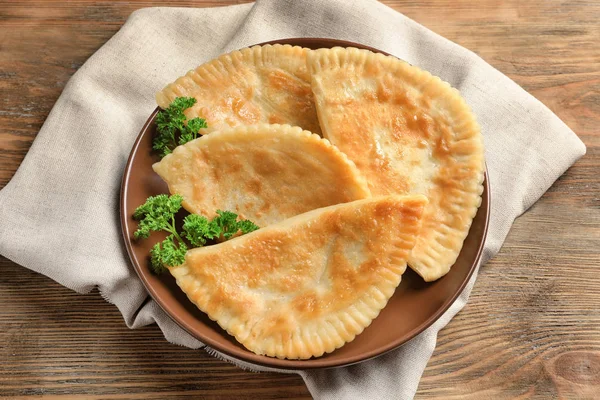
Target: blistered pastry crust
260 84
408 132
265 173
310 284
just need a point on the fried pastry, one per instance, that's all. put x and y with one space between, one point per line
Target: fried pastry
309 284
268 84
264 173
407 132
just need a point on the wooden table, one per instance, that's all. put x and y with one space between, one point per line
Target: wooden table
531 327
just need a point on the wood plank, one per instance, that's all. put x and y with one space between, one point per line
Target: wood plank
531 328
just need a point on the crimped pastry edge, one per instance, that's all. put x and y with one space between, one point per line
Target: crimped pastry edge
224 66
434 259
226 135
328 333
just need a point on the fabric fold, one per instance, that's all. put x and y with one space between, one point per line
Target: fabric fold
60 211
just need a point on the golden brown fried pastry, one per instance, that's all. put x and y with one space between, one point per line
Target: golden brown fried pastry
309 284
407 132
268 84
264 173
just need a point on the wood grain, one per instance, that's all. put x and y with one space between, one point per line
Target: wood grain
531 328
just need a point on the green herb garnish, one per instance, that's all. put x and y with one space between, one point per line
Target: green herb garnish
173 129
158 214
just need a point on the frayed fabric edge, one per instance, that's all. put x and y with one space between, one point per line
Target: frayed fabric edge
246 366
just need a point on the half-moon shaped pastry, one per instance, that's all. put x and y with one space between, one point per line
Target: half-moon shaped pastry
407 132
268 84
264 173
309 284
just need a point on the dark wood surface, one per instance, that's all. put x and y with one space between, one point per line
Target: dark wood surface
531 328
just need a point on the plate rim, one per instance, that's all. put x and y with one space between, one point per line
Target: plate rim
271 362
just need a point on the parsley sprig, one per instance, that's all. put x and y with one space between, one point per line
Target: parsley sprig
172 128
158 214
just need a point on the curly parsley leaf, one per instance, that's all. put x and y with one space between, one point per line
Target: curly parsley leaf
172 129
158 214
167 254
192 128
247 226
227 224
197 230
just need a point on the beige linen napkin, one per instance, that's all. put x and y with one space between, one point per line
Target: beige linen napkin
59 214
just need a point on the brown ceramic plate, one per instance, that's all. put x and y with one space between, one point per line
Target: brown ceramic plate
414 307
